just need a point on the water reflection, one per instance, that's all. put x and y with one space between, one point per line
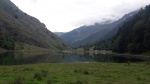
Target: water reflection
19 58
6 58
117 58
78 58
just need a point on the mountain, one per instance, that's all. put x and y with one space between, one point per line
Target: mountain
59 33
81 33
93 33
134 35
109 31
19 27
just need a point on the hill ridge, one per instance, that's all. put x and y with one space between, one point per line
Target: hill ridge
21 27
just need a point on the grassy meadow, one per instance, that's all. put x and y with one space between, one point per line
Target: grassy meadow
76 73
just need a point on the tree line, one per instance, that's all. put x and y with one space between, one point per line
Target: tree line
133 36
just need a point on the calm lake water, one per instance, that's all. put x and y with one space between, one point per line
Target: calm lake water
19 58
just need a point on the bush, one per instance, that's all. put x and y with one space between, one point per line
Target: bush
86 72
38 76
78 82
7 42
41 74
49 81
44 73
19 80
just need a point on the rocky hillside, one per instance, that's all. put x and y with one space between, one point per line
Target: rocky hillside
19 27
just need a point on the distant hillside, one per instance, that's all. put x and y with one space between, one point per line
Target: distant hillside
91 34
109 31
19 27
59 33
79 34
134 35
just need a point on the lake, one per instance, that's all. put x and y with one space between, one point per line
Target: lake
20 58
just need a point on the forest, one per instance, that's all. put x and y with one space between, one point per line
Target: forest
132 37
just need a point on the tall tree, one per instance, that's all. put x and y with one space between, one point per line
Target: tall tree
134 35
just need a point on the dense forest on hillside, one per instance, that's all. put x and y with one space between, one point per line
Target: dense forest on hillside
133 36
102 45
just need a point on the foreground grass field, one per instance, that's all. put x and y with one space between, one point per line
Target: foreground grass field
76 73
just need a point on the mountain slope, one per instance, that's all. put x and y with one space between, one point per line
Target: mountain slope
17 26
134 35
91 34
59 33
81 33
110 32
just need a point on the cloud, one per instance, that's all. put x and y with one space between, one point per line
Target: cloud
65 15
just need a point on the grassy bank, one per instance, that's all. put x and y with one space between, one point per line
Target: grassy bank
76 73
26 48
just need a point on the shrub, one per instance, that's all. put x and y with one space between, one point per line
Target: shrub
85 72
19 80
44 73
7 42
41 74
49 81
38 76
78 82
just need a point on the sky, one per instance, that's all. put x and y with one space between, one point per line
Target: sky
66 15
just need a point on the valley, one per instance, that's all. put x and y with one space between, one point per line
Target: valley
114 51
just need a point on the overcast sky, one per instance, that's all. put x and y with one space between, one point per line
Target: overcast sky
65 15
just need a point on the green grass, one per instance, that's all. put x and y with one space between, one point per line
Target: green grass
76 73
27 47
146 53
23 47
2 50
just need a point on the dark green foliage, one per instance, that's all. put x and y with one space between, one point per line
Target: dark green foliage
102 45
134 35
19 80
44 73
147 35
7 58
86 72
40 75
6 42
49 81
78 82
